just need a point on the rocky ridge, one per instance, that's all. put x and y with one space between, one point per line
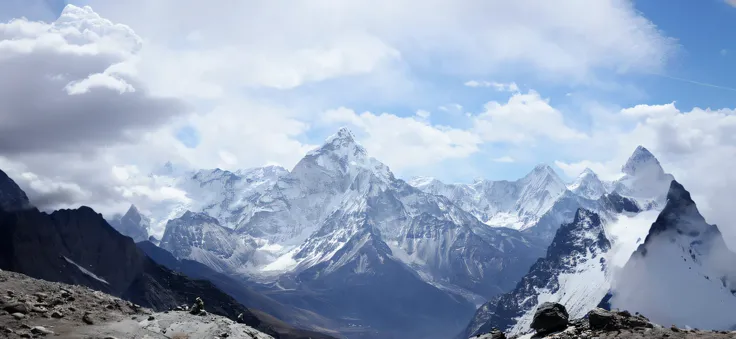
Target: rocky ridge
33 308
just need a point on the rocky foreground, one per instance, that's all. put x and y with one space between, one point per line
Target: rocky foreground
551 321
32 308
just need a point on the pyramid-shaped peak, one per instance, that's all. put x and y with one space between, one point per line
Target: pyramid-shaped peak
678 194
341 144
588 172
542 171
640 160
343 134
132 211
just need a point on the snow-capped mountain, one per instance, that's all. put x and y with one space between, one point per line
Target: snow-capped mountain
339 220
12 198
644 180
588 185
199 237
683 273
228 196
577 271
540 202
132 224
513 204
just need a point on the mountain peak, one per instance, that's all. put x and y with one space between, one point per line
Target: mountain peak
12 196
639 160
680 213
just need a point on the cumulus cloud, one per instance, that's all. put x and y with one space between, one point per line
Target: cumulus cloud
311 41
59 89
523 118
406 142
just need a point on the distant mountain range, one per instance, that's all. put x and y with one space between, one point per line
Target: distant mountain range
338 244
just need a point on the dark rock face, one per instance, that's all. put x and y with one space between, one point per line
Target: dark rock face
600 319
550 317
79 247
12 198
568 249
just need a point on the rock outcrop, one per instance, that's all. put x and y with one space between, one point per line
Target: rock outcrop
551 322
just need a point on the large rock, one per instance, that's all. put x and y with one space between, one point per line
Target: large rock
550 317
600 319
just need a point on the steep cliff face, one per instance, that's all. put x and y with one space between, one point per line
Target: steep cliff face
12 198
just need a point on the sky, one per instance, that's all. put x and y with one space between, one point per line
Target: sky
100 93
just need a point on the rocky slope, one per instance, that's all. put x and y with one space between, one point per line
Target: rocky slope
553 322
260 304
37 308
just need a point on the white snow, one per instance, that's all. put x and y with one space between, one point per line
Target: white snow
86 271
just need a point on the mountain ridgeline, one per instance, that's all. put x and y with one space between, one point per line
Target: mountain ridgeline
339 245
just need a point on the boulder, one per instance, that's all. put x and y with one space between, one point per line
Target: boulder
550 317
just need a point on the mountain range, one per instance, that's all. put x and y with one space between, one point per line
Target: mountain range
340 245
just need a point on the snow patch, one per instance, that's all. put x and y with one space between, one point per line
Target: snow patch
86 272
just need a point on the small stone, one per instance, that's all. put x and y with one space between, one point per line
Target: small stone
41 330
87 319
25 335
17 308
71 309
151 318
18 316
41 295
57 315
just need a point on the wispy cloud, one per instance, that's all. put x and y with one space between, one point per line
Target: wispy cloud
506 159
699 83
731 2
501 87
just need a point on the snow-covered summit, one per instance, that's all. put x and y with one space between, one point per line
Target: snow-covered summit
641 160
643 180
132 224
588 185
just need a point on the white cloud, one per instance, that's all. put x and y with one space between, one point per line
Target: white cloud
406 142
504 159
524 118
731 2
422 114
284 44
501 87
